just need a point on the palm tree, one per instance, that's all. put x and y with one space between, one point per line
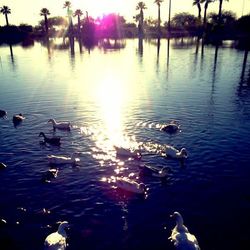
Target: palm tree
198 4
158 2
207 2
78 13
5 10
220 10
45 12
141 6
67 5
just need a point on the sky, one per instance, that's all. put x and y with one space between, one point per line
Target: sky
27 11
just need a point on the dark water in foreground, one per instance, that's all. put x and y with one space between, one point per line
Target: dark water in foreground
122 97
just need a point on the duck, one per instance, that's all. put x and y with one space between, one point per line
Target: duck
57 160
130 185
175 153
52 141
154 171
180 236
2 165
171 127
57 240
3 113
60 125
50 174
125 152
18 118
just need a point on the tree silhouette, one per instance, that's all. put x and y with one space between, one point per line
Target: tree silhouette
169 16
78 13
227 18
141 6
158 2
184 20
220 10
207 2
67 5
198 4
5 10
45 12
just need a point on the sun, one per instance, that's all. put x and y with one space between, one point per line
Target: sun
98 8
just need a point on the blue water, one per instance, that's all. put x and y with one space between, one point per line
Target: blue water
122 97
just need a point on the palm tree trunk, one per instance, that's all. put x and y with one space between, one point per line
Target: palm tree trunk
141 24
46 24
79 26
159 21
205 15
169 16
6 18
199 11
79 33
220 10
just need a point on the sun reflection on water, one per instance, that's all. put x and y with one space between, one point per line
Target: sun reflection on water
110 97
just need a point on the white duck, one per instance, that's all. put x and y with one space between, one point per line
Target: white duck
130 185
57 159
57 240
180 236
155 172
125 152
18 118
175 153
60 125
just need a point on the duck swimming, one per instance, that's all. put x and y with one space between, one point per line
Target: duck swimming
171 127
180 236
52 141
174 153
3 114
57 240
17 119
154 171
50 174
59 125
130 185
57 160
2 165
124 152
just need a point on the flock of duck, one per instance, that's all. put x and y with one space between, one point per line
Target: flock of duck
180 235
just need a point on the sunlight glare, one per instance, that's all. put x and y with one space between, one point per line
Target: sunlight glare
100 8
110 98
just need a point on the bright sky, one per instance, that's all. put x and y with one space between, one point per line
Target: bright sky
27 11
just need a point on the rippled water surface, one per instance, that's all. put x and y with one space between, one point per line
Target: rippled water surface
122 97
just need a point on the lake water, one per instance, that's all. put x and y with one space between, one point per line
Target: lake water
122 97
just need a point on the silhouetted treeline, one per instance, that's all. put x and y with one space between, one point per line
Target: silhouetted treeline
15 34
115 27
